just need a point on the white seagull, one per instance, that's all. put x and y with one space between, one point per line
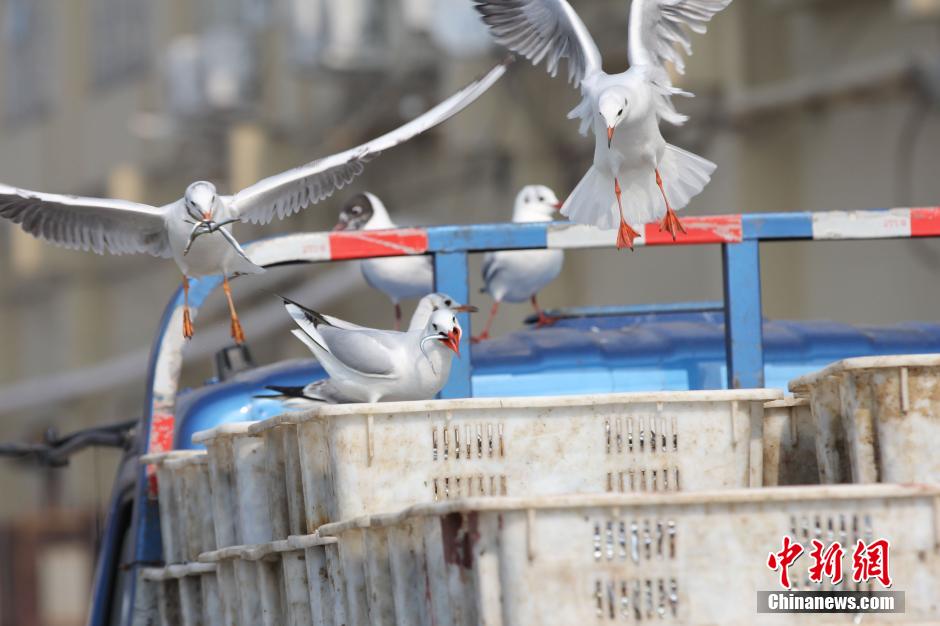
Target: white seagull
325 391
399 278
368 365
637 178
518 275
195 230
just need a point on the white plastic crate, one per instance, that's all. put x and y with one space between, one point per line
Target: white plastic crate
240 483
886 410
789 443
285 489
293 582
694 558
373 458
187 595
183 490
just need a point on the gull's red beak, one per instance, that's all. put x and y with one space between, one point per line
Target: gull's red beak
452 340
340 225
610 136
465 308
558 205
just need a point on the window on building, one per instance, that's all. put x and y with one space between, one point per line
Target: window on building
120 41
26 57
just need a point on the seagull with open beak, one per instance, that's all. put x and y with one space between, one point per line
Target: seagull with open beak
369 365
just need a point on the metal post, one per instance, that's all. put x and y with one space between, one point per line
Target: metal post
743 315
451 276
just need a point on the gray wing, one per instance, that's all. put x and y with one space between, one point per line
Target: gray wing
364 351
547 30
294 190
658 26
491 267
96 224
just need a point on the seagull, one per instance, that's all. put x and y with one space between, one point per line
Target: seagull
649 179
399 278
518 275
368 365
195 230
325 391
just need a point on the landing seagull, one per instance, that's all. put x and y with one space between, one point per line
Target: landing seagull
325 391
649 178
196 229
399 278
368 365
518 275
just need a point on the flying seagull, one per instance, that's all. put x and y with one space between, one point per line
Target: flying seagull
399 278
196 229
368 365
637 178
518 275
325 391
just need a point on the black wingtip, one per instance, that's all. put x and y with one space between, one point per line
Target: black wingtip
315 317
290 392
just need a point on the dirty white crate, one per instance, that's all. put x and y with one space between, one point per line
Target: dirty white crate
285 488
693 558
887 412
293 582
240 482
789 443
373 458
187 594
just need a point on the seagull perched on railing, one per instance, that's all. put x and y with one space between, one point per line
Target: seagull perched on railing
325 391
399 278
195 230
637 178
368 365
518 275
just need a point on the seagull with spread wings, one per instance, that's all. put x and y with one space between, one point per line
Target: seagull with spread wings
196 229
637 178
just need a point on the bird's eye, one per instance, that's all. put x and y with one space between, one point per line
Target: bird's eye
434 326
454 320
620 112
356 210
448 302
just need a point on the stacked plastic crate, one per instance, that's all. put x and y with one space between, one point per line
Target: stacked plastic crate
623 508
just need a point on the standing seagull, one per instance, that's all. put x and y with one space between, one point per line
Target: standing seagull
367 365
195 230
637 178
325 391
399 278
518 275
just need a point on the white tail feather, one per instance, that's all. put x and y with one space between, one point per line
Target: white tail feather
594 202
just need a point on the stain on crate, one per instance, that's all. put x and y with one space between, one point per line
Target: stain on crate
459 534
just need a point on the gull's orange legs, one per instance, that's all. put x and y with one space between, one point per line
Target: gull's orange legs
544 320
237 333
187 318
625 235
489 322
671 222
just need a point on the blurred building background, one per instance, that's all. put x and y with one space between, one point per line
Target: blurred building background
804 104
